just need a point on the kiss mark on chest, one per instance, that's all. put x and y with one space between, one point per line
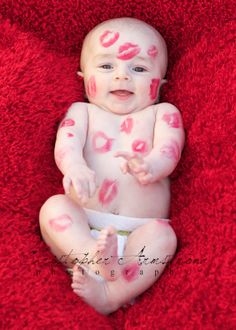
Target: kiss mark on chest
101 142
127 125
172 119
108 191
139 146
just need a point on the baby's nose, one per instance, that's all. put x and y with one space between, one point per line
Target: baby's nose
122 75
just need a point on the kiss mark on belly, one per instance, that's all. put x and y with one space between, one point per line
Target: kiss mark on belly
67 122
172 119
101 143
60 223
108 38
171 151
107 192
152 51
139 146
130 272
127 125
91 87
154 88
128 51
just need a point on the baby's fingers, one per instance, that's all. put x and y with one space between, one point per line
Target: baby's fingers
145 179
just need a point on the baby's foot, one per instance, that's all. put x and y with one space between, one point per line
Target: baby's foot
92 290
107 247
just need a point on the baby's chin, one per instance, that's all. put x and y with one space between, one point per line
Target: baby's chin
123 109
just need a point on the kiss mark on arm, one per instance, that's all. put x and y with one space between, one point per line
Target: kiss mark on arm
128 51
61 223
171 151
108 191
127 125
67 122
108 38
101 142
173 120
139 146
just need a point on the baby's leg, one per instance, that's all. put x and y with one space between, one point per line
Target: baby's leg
159 241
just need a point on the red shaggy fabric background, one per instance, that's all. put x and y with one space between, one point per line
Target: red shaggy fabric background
40 43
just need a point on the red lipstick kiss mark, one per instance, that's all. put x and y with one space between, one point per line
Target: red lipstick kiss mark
70 135
152 51
101 143
108 38
130 272
172 119
128 51
107 192
154 88
171 151
91 87
61 223
67 122
127 125
139 146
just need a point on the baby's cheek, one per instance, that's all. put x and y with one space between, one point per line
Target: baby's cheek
153 90
171 151
91 87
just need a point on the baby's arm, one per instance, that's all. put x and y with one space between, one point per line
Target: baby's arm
168 143
71 137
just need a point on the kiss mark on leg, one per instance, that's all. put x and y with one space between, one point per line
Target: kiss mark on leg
171 151
108 38
67 122
172 119
164 222
128 51
127 125
154 88
70 135
107 192
130 272
91 87
60 223
139 146
152 51
102 143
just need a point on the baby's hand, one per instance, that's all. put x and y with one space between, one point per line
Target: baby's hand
136 165
82 179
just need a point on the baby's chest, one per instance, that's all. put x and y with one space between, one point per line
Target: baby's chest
109 133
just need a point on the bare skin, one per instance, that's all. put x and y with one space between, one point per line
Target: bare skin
116 154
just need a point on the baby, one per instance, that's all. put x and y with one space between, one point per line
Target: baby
116 153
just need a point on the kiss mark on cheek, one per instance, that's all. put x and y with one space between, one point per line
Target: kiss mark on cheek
101 142
67 122
107 192
130 272
154 88
171 151
108 38
152 51
128 51
91 87
127 125
172 119
61 223
139 146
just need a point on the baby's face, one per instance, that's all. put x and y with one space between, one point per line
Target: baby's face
123 67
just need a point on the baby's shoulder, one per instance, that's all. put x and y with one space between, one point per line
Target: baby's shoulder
165 107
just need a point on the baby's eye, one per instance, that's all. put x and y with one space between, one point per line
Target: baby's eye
139 69
106 66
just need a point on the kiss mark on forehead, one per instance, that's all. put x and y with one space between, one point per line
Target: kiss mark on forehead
172 119
108 38
60 223
171 151
107 192
67 122
91 87
128 51
127 125
139 146
154 88
101 142
152 51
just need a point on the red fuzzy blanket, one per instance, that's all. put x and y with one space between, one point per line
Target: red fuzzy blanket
40 43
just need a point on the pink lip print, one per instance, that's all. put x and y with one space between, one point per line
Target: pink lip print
67 122
127 125
139 146
171 151
172 119
107 192
108 38
154 88
91 87
61 223
102 143
128 51
130 272
152 51
70 135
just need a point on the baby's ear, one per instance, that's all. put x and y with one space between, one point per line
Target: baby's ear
80 74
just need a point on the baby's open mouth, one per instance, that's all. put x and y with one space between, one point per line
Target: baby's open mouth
122 93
